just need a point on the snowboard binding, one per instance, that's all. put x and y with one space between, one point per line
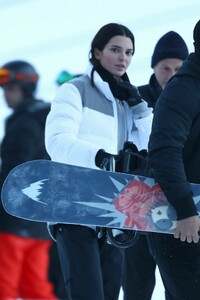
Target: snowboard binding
122 238
118 237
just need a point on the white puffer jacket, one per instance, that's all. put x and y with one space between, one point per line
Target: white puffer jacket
84 119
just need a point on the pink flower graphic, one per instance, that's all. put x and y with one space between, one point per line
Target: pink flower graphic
136 201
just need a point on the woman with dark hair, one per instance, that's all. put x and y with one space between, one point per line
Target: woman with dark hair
91 118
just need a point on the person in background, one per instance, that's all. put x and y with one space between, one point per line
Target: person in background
139 265
24 245
173 160
91 117
168 56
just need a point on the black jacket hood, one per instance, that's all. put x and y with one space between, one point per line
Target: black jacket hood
190 67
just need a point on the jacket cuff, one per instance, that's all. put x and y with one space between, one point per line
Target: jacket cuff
185 207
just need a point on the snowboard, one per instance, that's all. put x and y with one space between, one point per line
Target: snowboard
47 191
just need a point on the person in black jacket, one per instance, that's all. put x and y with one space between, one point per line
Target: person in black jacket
139 265
173 160
24 245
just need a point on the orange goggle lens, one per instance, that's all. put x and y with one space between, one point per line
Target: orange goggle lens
4 76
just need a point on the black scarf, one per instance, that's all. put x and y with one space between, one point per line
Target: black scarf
122 90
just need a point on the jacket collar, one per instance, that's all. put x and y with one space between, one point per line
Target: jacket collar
101 85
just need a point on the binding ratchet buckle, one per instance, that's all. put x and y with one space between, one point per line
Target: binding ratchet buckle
122 238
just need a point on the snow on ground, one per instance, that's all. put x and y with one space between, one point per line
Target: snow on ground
158 293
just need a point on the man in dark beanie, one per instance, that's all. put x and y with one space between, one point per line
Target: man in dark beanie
174 160
168 56
139 265
170 45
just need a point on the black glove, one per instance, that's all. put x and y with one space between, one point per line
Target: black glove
133 95
103 159
129 146
131 160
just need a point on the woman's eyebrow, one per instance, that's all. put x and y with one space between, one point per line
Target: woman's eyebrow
121 47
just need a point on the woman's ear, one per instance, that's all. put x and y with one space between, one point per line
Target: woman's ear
97 53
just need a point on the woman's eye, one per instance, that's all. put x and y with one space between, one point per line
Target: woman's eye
115 50
129 53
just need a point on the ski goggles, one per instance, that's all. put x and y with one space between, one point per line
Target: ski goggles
6 76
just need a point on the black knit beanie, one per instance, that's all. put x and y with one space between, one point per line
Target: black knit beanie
170 45
196 36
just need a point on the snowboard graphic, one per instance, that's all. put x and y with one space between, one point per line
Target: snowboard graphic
47 191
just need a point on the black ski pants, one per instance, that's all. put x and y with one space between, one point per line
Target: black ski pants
139 271
92 269
179 265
